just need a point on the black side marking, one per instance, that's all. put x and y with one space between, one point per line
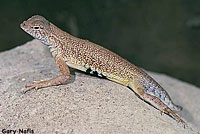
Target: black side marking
95 73
88 70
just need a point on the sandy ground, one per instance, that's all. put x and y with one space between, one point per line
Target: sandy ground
85 104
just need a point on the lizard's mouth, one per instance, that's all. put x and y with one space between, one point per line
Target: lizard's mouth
23 25
27 28
34 33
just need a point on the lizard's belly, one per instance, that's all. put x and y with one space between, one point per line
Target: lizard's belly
92 71
76 66
86 69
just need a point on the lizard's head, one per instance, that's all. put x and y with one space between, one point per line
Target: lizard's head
38 27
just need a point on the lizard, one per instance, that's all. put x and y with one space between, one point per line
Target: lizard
70 51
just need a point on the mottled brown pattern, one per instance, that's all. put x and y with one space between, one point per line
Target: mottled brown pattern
83 54
88 54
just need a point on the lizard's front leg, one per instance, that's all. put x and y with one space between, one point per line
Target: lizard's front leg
65 75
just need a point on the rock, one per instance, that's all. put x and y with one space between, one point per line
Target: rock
86 104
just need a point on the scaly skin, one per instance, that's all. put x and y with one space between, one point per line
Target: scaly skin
86 56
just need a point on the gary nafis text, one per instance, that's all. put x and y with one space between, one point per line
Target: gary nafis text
17 131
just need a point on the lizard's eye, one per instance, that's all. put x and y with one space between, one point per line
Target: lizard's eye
36 27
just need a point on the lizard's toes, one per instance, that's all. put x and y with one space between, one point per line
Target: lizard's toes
34 85
28 88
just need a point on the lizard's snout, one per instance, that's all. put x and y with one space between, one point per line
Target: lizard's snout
23 25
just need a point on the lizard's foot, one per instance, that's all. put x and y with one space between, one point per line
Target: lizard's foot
41 84
162 107
35 85
176 116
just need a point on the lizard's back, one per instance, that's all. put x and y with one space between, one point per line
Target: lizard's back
85 55
99 59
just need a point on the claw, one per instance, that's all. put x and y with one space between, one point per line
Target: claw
28 87
176 116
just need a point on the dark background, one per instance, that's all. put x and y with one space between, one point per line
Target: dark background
160 35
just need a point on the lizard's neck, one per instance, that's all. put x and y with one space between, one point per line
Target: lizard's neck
57 39
56 36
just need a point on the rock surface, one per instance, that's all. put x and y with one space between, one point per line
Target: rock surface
85 104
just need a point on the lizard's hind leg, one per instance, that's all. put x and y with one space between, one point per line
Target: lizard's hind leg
156 102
